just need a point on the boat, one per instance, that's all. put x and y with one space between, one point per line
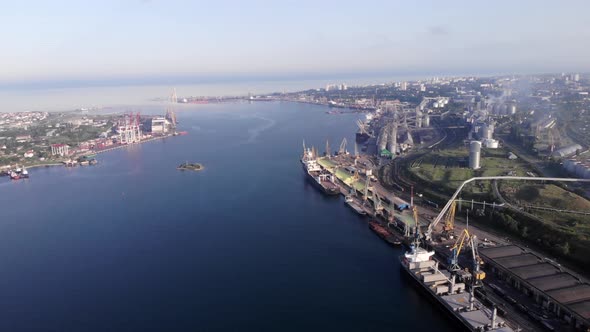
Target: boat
322 179
450 295
24 174
384 233
14 175
349 200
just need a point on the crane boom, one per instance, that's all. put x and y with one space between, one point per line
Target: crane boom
444 210
342 149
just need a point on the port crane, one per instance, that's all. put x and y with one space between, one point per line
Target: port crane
342 149
377 203
449 226
416 220
462 240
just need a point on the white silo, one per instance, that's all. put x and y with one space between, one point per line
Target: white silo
512 109
474 154
426 122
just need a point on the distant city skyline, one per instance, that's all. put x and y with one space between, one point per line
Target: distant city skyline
155 42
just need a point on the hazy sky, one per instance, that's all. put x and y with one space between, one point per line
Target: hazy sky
94 40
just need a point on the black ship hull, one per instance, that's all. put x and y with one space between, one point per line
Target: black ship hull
362 137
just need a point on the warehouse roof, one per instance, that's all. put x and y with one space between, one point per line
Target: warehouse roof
518 260
571 294
554 281
537 270
503 251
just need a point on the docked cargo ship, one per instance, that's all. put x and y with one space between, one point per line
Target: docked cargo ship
384 233
450 295
349 200
317 176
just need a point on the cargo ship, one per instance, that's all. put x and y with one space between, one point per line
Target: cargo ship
317 176
451 296
349 200
384 233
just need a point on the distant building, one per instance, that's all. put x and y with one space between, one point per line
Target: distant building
404 86
23 138
29 154
60 150
159 125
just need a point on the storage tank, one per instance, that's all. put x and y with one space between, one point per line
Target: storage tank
474 154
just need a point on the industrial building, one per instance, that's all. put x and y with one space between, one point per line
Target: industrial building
566 151
60 149
578 168
543 280
160 125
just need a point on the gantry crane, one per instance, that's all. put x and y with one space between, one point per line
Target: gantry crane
449 227
462 240
416 222
478 275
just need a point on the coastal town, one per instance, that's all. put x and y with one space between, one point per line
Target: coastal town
33 139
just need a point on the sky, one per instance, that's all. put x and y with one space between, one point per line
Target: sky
157 40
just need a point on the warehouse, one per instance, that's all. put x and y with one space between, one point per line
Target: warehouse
543 280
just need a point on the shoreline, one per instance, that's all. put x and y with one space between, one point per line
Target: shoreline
62 163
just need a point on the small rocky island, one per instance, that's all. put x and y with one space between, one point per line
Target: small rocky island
190 167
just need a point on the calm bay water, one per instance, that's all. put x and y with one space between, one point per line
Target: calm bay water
132 244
